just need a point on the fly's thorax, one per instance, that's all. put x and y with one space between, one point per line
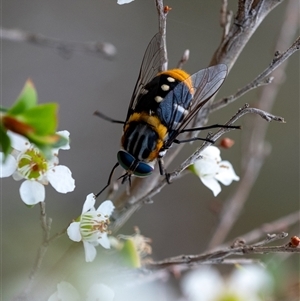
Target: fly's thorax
143 136
177 75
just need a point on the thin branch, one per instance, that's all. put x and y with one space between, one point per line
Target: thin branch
137 202
225 18
261 79
281 224
254 148
249 16
214 137
185 57
46 227
228 51
144 276
64 48
162 24
220 255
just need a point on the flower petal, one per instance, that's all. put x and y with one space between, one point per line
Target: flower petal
211 152
89 203
212 184
120 2
74 231
202 284
106 208
249 281
17 176
32 192
54 297
226 173
8 167
18 142
100 292
206 167
104 241
60 177
65 292
90 251
65 134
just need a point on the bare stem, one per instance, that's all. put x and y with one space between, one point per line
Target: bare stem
46 227
64 48
234 39
254 148
220 255
162 24
261 79
137 202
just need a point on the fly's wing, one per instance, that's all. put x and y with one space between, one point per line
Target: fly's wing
151 65
181 104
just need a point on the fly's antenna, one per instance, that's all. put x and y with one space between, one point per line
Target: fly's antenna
101 115
109 180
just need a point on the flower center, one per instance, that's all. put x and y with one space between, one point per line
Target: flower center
93 225
32 164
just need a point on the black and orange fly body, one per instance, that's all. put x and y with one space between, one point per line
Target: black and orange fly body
162 105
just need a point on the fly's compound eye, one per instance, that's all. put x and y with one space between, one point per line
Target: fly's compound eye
129 163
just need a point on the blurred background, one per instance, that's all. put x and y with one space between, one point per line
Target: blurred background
181 219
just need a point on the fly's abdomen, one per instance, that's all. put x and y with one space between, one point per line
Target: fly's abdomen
143 136
140 140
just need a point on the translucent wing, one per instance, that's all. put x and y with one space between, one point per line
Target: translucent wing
205 83
151 65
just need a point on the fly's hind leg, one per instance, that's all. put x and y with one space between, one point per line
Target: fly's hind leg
163 171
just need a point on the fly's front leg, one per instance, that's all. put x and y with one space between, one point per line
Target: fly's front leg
162 169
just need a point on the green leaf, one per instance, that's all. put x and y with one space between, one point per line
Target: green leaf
26 100
54 141
47 143
130 254
43 118
4 141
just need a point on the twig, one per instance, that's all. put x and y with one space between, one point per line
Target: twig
254 148
214 137
145 276
228 51
249 16
261 79
220 255
225 18
137 202
184 59
281 224
64 48
46 227
162 24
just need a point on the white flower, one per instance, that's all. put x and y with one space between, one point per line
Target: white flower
100 292
211 169
27 162
248 283
67 292
92 226
124 1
